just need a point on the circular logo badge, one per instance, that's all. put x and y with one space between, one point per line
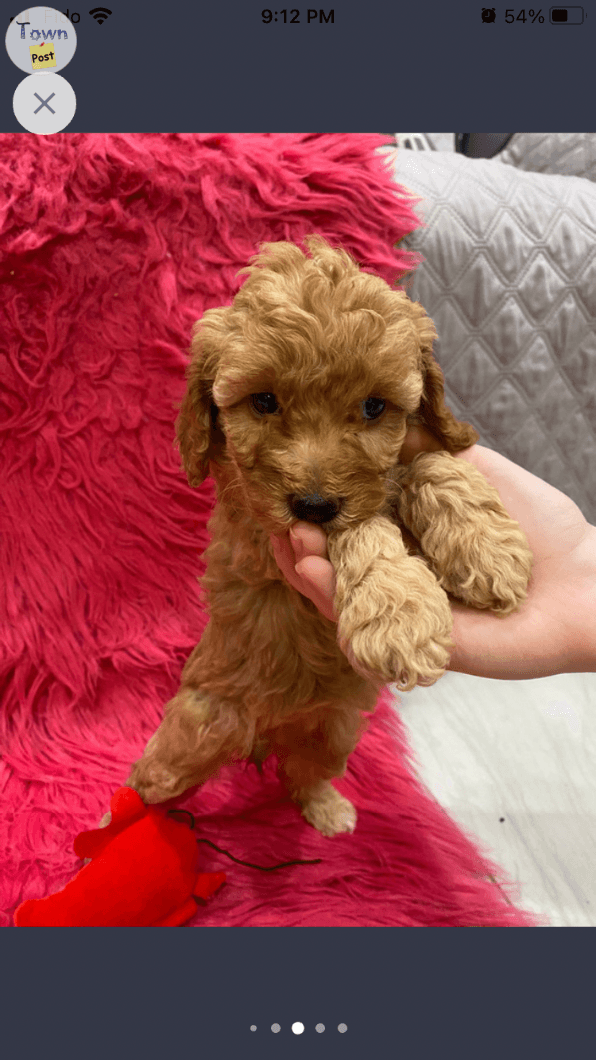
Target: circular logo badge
41 40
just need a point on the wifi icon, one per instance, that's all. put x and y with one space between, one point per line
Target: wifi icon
100 14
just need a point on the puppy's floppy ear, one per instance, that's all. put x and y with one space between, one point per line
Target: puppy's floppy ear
433 412
199 435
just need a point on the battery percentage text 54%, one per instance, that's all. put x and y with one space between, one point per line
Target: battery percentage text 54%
534 16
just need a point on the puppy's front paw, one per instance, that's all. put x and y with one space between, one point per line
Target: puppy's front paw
394 619
494 570
478 552
329 812
408 642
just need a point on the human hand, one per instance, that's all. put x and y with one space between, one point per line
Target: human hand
302 558
554 630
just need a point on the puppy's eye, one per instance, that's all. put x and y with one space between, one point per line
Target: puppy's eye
372 408
264 403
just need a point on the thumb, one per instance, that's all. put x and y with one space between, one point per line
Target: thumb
319 575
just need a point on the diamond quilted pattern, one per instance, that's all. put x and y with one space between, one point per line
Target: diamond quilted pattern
572 154
513 247
540 287
502 401
534 371
507 331
478 290
473 375
509 278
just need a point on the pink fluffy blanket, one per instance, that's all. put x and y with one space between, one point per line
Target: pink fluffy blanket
111 246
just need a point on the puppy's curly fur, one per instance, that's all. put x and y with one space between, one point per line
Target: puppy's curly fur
298 402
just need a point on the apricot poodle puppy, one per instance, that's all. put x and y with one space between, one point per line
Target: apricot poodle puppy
299 398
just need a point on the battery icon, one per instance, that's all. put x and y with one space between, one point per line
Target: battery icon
567 16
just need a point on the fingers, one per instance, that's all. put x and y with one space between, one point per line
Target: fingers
306 566
418 440
308 540
285 559
318 580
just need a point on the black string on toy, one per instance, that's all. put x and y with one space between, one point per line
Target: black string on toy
263 868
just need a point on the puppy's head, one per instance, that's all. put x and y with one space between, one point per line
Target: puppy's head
299 393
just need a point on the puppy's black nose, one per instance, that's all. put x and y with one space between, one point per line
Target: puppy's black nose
312 508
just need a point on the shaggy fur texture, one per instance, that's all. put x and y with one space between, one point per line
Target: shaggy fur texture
298 402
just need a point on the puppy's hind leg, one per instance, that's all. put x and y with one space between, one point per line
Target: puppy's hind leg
196 737
310 754
323 806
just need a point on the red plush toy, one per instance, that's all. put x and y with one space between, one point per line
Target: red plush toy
142 874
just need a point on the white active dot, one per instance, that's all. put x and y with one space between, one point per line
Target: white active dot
297 1028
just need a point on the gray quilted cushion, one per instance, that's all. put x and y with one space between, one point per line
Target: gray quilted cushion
509 279
573 154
